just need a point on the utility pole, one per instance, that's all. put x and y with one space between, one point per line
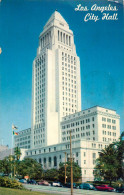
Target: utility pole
65 167
71 165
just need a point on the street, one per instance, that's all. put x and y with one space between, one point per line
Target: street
66 191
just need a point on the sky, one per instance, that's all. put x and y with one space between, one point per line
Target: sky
100 46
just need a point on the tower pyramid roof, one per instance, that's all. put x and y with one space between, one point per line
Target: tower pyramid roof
56 16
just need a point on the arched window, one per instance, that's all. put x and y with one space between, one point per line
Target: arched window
39 160
49 161
55 161
44 162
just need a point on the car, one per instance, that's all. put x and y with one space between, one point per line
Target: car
68 185
45 183
86 186
31 181
23 181
120 189
104 188
56 184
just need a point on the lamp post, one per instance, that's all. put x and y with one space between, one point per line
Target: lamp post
71 165
65 167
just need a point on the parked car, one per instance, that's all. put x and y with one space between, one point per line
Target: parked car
120 189
57 184
23 180
86 186
104 188
31 181
45 183
68 185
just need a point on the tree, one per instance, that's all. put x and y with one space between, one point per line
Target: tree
30 167
5 166
51 174
109 164
17 153
120 156
76 172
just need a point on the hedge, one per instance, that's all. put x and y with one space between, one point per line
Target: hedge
10 183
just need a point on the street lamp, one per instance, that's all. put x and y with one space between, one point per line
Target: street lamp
65 164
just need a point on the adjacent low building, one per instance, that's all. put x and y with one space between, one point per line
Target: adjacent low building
3 148
8 152
23 139
84 153
96 123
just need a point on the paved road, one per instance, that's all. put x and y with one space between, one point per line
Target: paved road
65 191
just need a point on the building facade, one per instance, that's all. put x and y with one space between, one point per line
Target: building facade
56 90
56 106
96 123
84 154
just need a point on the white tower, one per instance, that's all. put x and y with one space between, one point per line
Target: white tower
56 90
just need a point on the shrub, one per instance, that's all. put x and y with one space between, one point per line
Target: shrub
10 183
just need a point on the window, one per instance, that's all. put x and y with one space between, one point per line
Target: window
49 161
76 154
54 148
103 119
114 121
39 160
109 126
114 127
104 125
44 160
84 161
55 161
94 155
109 120
94 161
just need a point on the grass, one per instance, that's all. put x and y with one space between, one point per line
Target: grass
9 191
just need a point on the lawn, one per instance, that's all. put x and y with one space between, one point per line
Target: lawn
9 191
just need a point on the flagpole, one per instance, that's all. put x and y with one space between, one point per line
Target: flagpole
11 150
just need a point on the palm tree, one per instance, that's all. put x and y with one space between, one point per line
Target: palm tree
17 153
